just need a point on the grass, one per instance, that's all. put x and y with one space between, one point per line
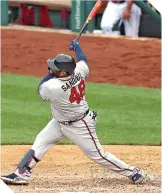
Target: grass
126 115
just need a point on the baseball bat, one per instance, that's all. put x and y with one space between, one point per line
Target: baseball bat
92 14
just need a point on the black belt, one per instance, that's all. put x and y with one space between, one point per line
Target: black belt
69 122
118 2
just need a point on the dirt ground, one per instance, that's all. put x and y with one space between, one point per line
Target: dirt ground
117 61
66 168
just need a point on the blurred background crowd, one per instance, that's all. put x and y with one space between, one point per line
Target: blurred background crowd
116 17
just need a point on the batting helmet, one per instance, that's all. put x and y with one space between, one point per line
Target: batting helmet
62 62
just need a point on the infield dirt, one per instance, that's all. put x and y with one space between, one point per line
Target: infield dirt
117 61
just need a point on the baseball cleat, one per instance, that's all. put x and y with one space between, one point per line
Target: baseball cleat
139 177
14 179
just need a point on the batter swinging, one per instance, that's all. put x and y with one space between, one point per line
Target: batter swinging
64 88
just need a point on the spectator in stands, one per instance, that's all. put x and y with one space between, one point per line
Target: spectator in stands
64 18
118 12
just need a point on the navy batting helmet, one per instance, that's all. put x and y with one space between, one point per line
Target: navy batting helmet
62 62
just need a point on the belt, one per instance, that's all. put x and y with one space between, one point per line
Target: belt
118 2
69 122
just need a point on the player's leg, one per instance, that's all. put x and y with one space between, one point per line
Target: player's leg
132 25
109 18
49 136
83 134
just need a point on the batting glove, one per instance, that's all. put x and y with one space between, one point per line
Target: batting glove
74 44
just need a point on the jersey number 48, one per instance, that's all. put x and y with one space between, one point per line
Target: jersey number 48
76 96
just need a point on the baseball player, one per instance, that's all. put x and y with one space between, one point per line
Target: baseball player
118 11
64 88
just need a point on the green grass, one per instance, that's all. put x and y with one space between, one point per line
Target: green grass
126 115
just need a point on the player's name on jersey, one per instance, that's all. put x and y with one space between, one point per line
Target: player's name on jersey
72 82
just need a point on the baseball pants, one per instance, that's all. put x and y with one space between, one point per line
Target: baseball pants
83 134
114 12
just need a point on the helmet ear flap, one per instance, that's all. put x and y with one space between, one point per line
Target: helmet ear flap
51 64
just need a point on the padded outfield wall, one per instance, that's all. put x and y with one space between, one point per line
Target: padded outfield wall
80 9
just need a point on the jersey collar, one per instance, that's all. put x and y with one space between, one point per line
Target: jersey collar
66 78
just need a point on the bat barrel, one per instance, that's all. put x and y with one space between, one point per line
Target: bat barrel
90 17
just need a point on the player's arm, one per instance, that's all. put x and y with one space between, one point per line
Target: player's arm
129 4
42 88
80 55
81 58
46 78
127 11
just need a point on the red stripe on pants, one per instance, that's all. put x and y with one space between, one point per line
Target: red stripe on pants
99 150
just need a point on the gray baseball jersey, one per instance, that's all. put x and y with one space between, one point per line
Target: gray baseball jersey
67 95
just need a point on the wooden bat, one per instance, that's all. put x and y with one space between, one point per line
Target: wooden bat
92 14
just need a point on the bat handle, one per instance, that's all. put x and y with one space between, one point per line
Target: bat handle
78 36
81 31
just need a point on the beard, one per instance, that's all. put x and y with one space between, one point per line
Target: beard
57 73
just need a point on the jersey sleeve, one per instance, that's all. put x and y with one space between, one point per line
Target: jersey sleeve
83 67
44 92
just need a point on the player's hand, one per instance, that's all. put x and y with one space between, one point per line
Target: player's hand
74 44
127 14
